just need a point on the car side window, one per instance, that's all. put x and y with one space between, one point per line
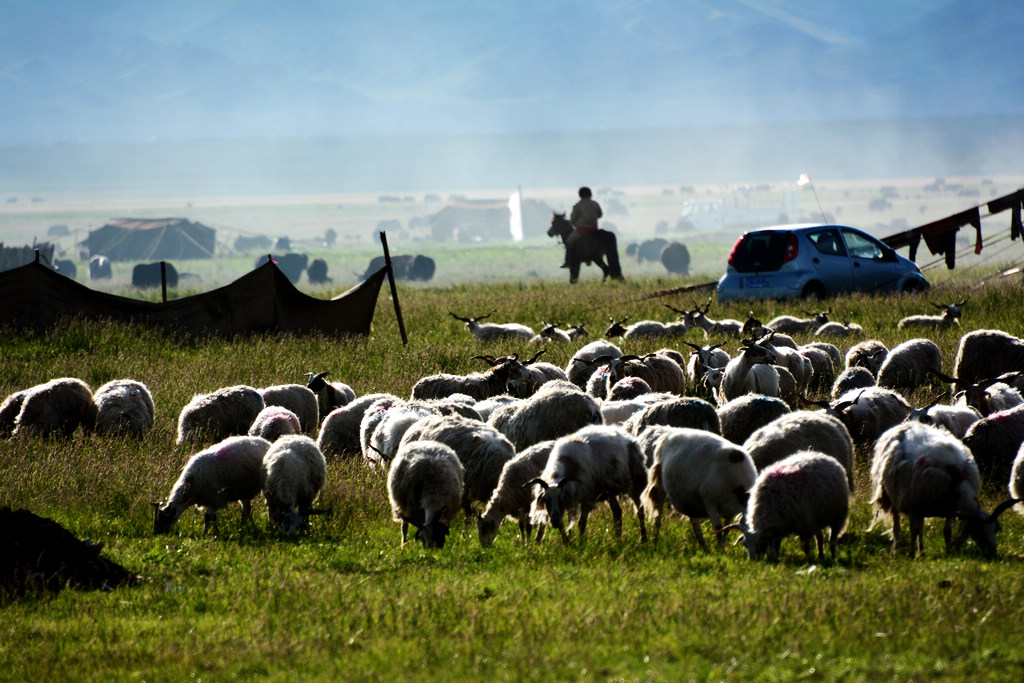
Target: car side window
827 242
862 246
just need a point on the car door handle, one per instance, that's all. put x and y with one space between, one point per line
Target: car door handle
856 264
815 260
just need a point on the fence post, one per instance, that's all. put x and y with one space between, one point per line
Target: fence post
394 291
163 280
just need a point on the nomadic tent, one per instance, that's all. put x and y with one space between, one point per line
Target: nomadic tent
154 239
264 300
471 220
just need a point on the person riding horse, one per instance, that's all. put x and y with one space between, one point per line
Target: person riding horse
583 219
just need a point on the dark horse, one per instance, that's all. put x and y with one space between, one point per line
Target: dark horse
593 247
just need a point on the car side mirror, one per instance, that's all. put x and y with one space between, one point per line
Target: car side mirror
889 254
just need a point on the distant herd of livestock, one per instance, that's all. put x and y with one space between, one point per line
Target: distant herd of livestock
714 436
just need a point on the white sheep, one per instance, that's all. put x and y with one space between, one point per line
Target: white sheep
617 411
494 382
297 398
856 377
843 329
868 354
225 412
678 411
803 494
788 324
339 431
540 372
798 431
994 441
659 371
702 476
954 419
557 409
910 364
867 413
274 422
295 471
487 406
923 471
989 396
703 358
227 471
699 318
124 406
550 332
1017 480
750 371
949 318
580 366
742 416
9 410
59 406
589 465
628 388
495 331
425 490
512 496
381 437
987 353
329 395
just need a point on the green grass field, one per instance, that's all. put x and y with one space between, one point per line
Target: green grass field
347 602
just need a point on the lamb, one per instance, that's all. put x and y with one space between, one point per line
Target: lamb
954 419
220 414
741 416
59 406
495 331
339 432
923 471
482 450
702 476
750 372
910 364
868 354
593 463
995 440
274 422
554 411
381 438
676 412
329 395
227 471
512 497
703 358
987 353
949 318
494 382
843 329
857 377
802 494
124 406
788 324
425 489
297 398
802 430
580 367
295 471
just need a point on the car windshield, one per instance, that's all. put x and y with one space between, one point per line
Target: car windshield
761 251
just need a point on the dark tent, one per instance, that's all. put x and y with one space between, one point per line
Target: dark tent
156 239
475 220
264 300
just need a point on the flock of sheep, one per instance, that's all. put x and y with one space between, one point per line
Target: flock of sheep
714 436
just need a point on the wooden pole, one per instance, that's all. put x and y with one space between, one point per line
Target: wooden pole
163 280
394 290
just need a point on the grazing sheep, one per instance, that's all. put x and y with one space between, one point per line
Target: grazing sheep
910 364
381 438
702 476
124 406
9 410
425 489
823 372
868 354
495 331
788 390
857 377
660 372
743 415
512 496
867 413
923 471
540 373
339 432
678 411
294 471
617 411
994 441
220 414
494 382
580 367
486 407
750 372
987 353
843 329
649 438
834 354
482 450
297 398
56 407
788 324
329 395
954 419
802 494
227 471
798 431
989 396
554 411
949 318
628 388
589 465
274 422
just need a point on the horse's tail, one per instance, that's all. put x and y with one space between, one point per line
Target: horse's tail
612 252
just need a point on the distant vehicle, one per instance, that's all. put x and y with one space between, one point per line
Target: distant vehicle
744 209
814 261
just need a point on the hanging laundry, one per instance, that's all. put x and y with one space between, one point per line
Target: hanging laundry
940 235
1013 202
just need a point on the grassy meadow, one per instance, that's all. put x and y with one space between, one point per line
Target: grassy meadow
346 601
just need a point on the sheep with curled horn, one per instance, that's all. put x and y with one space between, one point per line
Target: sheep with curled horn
550 332
494 331
989 396
617 327
956 419
660 372
949 318
541 372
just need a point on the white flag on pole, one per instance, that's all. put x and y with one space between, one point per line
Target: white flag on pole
515 216
804 179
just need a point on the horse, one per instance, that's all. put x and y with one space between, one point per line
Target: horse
591 247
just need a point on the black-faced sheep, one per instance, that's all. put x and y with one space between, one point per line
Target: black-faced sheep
227 471
702 476
425 489
59 406
294 471
215 416
329 395
124 406
512 495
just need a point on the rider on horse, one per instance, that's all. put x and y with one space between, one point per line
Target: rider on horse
583 219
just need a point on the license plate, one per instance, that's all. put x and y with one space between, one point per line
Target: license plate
752 282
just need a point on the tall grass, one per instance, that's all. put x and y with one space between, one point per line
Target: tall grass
346 601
